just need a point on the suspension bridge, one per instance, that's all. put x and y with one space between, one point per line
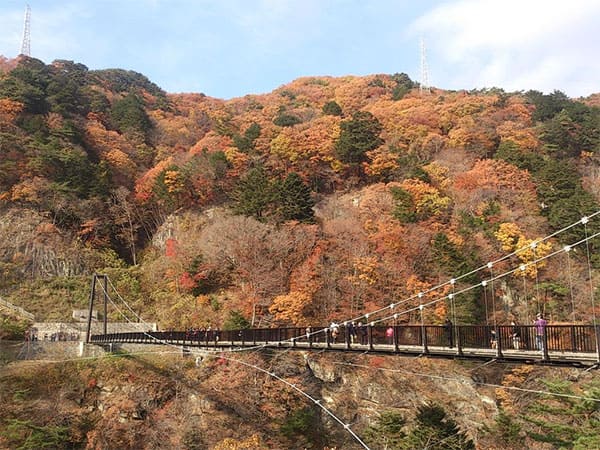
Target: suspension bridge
383 331
559 344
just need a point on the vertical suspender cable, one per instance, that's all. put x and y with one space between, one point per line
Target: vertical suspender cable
533 245
567 249
491 266
526 294
455 327
484 284
584 221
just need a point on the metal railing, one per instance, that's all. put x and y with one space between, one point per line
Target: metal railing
555 338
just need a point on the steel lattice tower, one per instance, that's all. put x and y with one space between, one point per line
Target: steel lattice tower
26 44
424 85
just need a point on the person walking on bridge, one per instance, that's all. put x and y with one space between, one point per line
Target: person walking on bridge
449 332
515 333
540 331
493 339
334 329
362 331
352 332
389 335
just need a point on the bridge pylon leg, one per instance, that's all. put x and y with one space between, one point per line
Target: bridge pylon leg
95 278
91 309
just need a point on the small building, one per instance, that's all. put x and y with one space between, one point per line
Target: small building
81 315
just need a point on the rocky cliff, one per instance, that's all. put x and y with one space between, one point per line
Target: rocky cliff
167 401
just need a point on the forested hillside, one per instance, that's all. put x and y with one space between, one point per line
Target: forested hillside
323 199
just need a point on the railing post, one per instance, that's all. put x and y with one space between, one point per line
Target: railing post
459 339
370 336
310 337
327 340
545 356
396 338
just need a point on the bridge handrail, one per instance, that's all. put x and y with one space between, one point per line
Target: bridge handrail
578 338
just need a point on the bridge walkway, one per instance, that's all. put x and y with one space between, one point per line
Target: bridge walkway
560 345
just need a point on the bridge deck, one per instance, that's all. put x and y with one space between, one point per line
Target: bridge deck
523 355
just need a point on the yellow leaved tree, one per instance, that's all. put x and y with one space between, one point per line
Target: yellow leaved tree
529 251
291 307
253 442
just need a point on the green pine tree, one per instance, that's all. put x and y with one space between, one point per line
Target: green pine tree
332 108
294 200
434 430
403 85
404 207
357 136
387 431
565 422
128 114
254 194
506 430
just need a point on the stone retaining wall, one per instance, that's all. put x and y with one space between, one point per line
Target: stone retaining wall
63 331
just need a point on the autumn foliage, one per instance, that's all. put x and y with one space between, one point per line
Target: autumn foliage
321 200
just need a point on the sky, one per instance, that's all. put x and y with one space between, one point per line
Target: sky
230 48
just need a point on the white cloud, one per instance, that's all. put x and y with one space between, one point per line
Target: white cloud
514 44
